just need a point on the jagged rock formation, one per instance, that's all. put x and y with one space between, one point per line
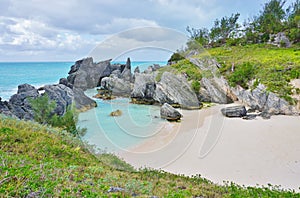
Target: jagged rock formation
169 113
261 100
171 89
214 88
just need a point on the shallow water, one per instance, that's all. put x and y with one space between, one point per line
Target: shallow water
116 134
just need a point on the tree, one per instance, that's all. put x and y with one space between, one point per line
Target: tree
199 35
271 17
225 28
43 108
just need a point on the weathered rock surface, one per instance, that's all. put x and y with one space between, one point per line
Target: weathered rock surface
176 91
234 112
169 113
19 103
62 95
213 86
117 86
280 40
116 113
86 74
144 89
171 89
262 100
82 102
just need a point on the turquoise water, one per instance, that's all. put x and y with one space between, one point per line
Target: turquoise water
107 133
36 73
113 134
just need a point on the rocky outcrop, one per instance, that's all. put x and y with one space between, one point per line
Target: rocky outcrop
4 108
116 113
19 104
144 89
116 86
234 112
86 74
62 95
175 90
213 86
169 113
261 100
82 102
171 89
280 40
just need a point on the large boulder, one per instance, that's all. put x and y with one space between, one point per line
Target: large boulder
82 102
144 89
235 111
264 101
19 104
117 86
86 74
62 95
175 90
169 113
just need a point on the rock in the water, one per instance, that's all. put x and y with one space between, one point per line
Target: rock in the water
170 113
144 89
82 102
176 91
86 74
236 111
118 112
117 86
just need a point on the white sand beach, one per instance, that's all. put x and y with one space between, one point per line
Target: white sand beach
247 152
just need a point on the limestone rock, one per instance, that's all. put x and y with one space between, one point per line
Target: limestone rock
170 113
117 86
235 111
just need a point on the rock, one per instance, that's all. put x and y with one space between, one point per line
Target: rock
115 189
126 73
4 108
137 70
86 74
249 117
117 86
82 102
104 95
264 101
65 82
280 40
169 113
118 112
62 95
213 87
236 111
265 115
176 91
19 104
144 89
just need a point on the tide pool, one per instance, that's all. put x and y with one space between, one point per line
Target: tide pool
114 134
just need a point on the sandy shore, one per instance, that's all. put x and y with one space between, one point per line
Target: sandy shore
247 152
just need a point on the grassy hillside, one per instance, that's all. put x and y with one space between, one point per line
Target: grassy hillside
269 65
43 161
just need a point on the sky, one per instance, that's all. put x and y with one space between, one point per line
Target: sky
68 30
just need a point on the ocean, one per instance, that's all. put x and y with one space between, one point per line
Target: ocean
106 133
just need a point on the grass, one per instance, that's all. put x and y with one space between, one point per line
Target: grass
39 160
273 66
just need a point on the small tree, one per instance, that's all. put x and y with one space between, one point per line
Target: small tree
199 35
225 28
43 108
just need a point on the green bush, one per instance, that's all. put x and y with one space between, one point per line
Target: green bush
196 86
242 75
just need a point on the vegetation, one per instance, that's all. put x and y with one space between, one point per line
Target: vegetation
43 109
272 19
49 162
274 67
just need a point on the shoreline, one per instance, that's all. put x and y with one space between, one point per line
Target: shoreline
246 152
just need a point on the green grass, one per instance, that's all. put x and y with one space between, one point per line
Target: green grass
273 66
52 163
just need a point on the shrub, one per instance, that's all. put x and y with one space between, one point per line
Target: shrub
242 75
196 86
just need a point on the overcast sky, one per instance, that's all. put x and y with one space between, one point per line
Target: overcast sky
67 30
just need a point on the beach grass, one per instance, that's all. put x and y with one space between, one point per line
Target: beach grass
48 162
